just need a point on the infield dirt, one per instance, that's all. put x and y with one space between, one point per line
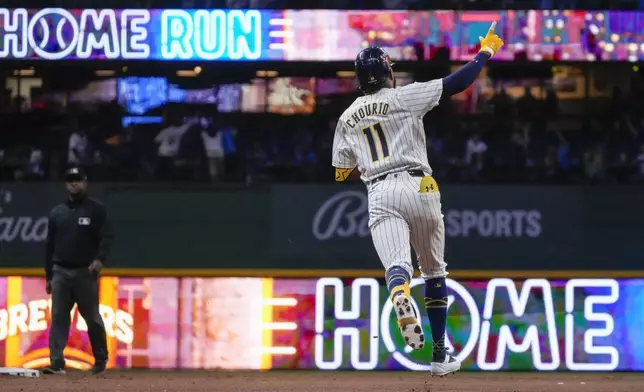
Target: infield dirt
306 381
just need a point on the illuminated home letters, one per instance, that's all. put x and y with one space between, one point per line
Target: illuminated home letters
57 34
341 315
611 295
506 340
530 303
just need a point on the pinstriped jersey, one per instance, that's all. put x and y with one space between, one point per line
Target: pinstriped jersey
383 132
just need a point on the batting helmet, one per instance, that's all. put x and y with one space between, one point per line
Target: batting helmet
372 69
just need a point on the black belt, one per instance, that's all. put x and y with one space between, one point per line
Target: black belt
70 265
413 173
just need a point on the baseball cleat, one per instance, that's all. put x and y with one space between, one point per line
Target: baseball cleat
408 323
53 370
99 368
448 366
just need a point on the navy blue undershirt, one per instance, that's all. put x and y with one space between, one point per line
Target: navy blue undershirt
464 76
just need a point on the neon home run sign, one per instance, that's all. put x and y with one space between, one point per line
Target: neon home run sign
131 34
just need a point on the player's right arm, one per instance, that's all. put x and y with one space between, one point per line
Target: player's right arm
423 97
344 159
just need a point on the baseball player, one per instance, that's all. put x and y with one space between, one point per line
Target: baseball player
380 139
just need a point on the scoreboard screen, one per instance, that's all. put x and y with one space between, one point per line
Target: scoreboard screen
313 35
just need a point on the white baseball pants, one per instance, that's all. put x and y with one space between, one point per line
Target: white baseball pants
400 214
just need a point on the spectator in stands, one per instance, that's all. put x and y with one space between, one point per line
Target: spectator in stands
78 148
594 162
475 149
214 149
474 159
35 165
169 141
550 104
519 144
191 159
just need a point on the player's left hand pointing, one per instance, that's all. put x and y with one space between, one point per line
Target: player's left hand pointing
491 43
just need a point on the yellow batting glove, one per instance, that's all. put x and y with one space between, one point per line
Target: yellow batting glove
491 43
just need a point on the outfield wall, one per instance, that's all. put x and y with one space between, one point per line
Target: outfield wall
487 228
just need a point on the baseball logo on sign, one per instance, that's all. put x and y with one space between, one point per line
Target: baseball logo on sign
53 23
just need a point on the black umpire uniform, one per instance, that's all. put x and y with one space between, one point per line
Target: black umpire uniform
78 243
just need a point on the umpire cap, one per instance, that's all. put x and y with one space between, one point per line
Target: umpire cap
372 69
75 174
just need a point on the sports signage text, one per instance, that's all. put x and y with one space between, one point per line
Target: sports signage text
312 35
345 215
131 34
490 337
30 317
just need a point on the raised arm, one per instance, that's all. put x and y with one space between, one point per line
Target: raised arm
467 74
423 97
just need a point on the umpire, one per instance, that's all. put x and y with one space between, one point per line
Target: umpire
78 242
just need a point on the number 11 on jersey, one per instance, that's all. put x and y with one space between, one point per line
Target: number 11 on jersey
368 132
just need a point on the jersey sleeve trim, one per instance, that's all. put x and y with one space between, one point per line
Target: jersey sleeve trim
339 165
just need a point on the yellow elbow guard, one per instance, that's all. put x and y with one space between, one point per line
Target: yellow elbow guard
342 174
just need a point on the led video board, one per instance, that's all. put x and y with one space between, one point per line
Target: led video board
312 35
332 323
